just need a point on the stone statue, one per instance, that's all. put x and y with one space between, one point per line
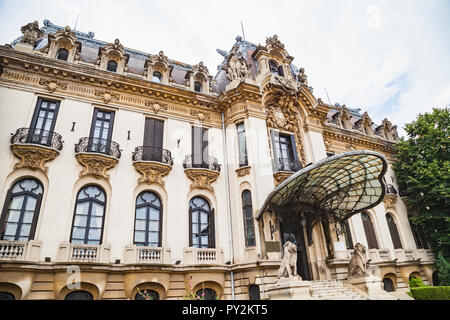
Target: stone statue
31 33
302 78
358 263
288 267
236 66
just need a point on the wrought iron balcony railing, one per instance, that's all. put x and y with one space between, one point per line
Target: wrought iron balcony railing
97 145
390 189
191 162
144 153
290 165
38 136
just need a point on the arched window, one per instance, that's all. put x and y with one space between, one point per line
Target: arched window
393 231
157 77
21 210
146 295
206 294
273 67
87 225
388 285
201 224
370 231
249 228
197 86
63 54
147 227
112 66
7 296
79 295
419 236
253 292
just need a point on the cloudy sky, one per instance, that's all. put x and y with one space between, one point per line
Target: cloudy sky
390 58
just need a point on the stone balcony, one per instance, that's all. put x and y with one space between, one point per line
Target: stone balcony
20 251
379 255
203 173
35 147
146 255
97 156
203 256
152 163
71 252
284 168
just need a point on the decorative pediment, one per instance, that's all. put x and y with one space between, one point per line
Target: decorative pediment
276 48
63 39
31 33
389 131
113 51
200 74
157 63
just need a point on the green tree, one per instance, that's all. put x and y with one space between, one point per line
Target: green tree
422 168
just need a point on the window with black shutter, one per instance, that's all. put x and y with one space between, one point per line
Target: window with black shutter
153 139
199 147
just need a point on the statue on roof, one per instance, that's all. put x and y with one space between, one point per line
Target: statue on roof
302 78
236 66
31 33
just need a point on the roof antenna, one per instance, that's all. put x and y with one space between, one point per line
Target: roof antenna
242 27
76 22
327 96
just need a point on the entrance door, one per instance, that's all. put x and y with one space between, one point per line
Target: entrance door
291 230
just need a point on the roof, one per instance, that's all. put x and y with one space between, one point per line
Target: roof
338 186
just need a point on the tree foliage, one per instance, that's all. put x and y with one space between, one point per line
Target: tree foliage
422 168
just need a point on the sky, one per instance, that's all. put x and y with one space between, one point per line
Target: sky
389 58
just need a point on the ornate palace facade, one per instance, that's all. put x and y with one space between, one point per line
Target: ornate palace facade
123 171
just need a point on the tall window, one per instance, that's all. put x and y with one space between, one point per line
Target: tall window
111 66
153 139
347 234
201 223
249 228
87 225
147 227
285 153
21 210
369 231
157 77
419 236
101 131
393 231
197 86
63 54
43 122
199 147
243 160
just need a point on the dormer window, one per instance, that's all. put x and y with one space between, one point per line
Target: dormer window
112 66
273 67
198 86
63 54
157 77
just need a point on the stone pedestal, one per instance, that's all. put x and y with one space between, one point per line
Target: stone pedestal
289 289
372 285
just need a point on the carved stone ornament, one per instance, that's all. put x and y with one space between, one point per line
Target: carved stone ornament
52 85
236 66
279 177
282 112
33 157
241 172
200 115
31 33
274 43
302 78
155 106
95 165
152 172
201 178
200 68
390 201
107 95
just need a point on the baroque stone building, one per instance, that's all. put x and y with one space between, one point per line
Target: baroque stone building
124 171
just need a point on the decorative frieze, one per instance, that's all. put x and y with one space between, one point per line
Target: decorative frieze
107 95
52 85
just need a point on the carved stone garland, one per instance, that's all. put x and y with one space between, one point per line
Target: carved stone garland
152 172
96 165
201 178
33 157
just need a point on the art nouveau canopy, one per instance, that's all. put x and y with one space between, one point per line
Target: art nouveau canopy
336 187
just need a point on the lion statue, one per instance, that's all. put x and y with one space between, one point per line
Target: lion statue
288 267
358 263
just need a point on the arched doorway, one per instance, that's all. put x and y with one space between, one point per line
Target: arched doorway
7 296
79 295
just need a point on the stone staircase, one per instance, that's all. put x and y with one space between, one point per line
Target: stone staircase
333 290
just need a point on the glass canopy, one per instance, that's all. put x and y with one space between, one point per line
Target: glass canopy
336 187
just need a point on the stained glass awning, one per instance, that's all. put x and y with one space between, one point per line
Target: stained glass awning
338 186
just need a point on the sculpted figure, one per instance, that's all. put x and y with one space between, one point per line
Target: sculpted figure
237 67
302 78
31 33
358 263
288 267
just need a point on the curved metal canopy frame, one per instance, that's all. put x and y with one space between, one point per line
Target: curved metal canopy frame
336 187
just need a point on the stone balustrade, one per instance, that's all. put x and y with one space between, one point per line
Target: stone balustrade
146 255
71 252
203 256
20 251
